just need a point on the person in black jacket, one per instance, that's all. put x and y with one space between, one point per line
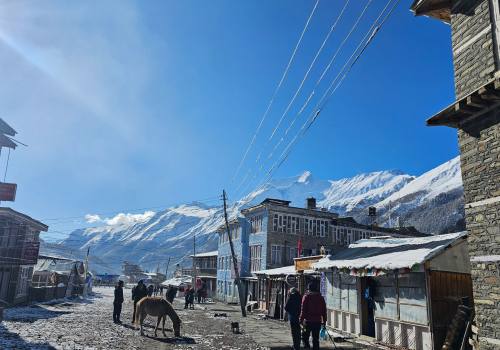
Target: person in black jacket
140 291
292 307
171 293
117 302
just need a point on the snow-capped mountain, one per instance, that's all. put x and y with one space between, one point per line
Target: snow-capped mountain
432 202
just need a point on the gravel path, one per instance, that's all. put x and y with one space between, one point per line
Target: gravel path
87 324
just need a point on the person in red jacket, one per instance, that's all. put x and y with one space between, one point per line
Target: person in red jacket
312 315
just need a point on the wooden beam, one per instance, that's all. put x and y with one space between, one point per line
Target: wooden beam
476 101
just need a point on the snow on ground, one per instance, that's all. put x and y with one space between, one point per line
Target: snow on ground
87 324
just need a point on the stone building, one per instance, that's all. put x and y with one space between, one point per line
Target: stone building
270 234
475 27
19 246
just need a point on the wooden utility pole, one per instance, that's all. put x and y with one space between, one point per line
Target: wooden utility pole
194 256
166 271
237 281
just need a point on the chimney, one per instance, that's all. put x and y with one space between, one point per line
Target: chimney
311 203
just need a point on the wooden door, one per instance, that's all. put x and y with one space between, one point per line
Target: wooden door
447 291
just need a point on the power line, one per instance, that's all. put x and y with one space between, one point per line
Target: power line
360 49
326 69
276 90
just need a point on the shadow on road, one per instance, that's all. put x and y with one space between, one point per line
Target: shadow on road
173 340
9 340
31 314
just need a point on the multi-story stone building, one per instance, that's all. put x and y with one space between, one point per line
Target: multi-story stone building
475 36
267 236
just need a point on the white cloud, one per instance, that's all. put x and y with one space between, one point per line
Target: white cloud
120 219
92 218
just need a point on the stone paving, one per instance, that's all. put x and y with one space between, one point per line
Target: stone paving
87 324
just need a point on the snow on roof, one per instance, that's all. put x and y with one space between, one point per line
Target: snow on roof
389 254
177 281
206 254
286 270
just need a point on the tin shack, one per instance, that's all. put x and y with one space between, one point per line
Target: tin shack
403 292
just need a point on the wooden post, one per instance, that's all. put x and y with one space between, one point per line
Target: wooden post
235 261
166 271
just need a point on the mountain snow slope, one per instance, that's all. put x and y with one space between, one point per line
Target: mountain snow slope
432 202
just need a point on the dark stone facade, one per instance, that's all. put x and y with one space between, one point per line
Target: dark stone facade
472 44
475 65
475 45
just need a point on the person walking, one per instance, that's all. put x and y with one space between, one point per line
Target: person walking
293 307
312 315
117 302
150 290
140 291
189 298
171 293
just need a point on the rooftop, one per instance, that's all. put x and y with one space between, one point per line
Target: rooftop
389 254
206 254
23 218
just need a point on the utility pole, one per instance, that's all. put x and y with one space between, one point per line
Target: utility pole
166 271
194 266
86 270
235 261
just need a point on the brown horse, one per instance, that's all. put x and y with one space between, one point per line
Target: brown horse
157 306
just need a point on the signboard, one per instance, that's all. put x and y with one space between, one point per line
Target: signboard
30 253
8 192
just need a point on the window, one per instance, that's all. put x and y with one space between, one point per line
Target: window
275 255
255 257
344 291
385 297
22 287
412 299
256 224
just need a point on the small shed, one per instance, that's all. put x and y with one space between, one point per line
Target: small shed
399 291
273 287
181 282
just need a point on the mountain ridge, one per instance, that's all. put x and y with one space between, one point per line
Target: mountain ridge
432 202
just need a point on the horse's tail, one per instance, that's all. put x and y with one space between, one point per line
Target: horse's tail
138 311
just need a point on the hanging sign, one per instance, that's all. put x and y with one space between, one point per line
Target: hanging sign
8 192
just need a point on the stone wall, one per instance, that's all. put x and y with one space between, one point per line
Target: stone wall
474 62
472 44
480 163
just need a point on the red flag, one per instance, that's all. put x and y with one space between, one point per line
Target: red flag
299 248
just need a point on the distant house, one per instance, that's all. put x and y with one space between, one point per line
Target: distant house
399 291
133 271
19 246
206 271
44 272
56 277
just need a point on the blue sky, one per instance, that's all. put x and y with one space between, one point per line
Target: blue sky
129 104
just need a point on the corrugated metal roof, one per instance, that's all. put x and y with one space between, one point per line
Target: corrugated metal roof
389 254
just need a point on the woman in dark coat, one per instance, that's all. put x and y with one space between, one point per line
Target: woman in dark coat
292 307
